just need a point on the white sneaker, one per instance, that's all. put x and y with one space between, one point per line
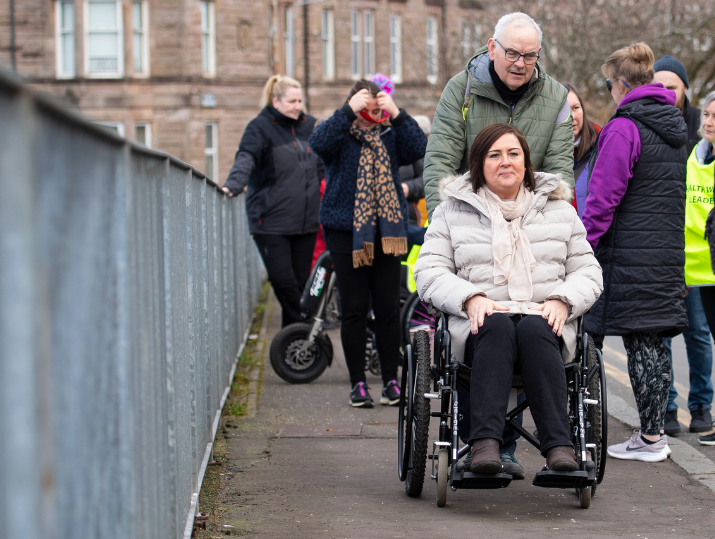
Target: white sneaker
637 449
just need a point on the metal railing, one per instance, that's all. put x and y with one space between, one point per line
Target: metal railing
127 286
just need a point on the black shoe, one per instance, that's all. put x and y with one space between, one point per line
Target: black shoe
359 397
511 466
672 427
701 420
390 393
707 440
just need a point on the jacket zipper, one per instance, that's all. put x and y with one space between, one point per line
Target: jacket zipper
304 163
610 270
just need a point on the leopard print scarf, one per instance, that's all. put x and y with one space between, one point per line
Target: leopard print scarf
377 205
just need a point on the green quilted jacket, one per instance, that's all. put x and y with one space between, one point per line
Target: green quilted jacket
542 115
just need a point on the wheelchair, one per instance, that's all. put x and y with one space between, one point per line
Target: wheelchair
429 373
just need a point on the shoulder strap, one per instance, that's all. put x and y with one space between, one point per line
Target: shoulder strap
468 98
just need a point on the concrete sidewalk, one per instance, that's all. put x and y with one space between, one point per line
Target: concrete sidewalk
308 465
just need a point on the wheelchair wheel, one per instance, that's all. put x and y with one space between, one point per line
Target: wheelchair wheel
404 418
597 414
415 478
584 494
290 363
442 477
415 316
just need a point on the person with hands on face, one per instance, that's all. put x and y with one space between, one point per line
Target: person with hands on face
506 257
364 217
275 164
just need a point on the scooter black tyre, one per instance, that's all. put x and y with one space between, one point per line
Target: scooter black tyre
286 359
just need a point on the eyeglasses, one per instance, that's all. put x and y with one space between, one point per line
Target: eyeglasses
513 56
609 84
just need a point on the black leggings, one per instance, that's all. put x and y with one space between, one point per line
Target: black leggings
530 345
381 282
287 260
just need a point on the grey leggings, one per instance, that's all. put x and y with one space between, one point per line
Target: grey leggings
649 370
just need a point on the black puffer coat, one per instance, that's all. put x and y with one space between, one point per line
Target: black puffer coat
643 252
278 166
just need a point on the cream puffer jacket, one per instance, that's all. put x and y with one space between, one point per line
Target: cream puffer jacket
456 263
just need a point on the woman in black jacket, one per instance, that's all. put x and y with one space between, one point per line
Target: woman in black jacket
364 217
274 162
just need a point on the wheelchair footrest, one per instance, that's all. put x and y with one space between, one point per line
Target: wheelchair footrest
462 478
553 479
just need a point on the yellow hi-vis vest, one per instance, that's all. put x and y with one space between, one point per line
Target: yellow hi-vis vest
698 203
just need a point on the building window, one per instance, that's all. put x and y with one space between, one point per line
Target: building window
211 150
328 33
289 38
142 133
64 20
432 51
208 39
140 32
395 49
362 31
116 127
104 45
356 60
471 38
369 42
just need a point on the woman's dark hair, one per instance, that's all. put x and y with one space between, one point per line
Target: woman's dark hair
588 131
480 148
372 88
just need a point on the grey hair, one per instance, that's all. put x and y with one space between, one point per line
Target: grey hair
516 20
708 99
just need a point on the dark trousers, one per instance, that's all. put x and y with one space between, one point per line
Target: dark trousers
529 345
287 260
357 286
707 296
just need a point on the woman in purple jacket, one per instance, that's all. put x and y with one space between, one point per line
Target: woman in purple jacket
634 218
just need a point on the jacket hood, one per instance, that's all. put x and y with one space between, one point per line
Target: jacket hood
644 104
282 119
478 67
548 187
701 150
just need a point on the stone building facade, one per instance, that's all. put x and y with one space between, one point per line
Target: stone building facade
185 76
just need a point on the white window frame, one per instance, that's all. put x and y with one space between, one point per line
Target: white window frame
368 39
119 126
147 133
208 39
395 48
212 151
355 45
120 43
60 34
432 50
289 40
143 34
327 31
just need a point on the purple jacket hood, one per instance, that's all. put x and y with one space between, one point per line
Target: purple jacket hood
654 90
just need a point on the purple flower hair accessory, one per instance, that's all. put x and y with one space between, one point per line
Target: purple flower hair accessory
384 82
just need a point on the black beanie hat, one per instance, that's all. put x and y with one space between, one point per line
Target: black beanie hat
668 63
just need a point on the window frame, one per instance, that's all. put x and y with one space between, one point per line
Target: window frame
395 48
355 45
432 50
368 39
147 133
289 40
119 126
213 151
120 42
60 33
327 32
143 37
209 33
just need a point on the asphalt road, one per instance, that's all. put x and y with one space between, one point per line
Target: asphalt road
308 465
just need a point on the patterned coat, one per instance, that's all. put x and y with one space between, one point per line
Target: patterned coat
405 143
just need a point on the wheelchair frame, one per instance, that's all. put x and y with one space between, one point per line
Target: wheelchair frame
587 417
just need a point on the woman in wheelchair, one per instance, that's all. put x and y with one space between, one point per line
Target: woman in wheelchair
506 257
